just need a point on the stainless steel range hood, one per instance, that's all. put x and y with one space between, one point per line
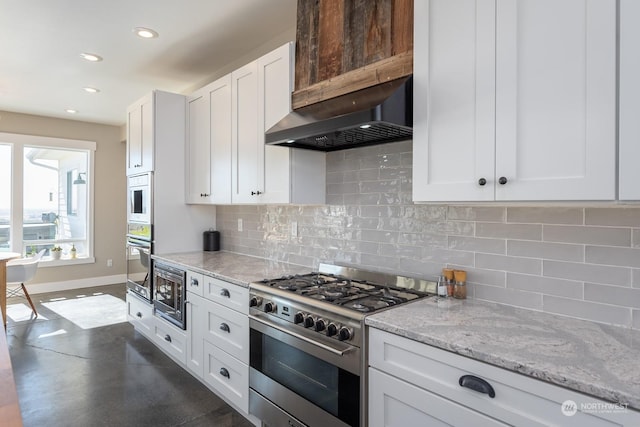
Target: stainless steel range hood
375 115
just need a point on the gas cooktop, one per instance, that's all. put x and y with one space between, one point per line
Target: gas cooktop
360 295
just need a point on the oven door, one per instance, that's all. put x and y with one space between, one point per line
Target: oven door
169 294
139 267
298 379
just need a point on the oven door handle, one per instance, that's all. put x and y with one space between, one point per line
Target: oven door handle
265 321
139 246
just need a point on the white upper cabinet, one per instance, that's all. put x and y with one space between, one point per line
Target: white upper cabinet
209 144
261 96
140 134
629 101
514 100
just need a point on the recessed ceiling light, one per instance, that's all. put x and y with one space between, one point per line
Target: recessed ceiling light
365 126
71 111
91 89
92 57
145 33
289 141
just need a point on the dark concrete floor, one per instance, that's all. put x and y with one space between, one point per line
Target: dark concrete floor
104 376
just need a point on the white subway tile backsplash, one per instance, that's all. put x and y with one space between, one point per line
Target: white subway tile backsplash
545 285
616 295
534 215
617 217
625 257
555 251
479 213
587 310
477 244
587 272
608 236
508 263
576 261
514 297
509 231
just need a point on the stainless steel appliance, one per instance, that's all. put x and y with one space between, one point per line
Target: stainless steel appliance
169 293
307 344
140 198
138 255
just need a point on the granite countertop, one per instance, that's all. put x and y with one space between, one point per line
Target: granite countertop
234 268
592 358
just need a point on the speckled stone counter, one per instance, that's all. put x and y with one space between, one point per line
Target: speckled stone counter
234 268
592 358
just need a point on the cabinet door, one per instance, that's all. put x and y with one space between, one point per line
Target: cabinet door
196 316
247 162
629 173
556 99
220 120
198 149
134 139
147 108
393 402
275 84
454 97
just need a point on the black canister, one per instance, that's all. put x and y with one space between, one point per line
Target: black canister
211 240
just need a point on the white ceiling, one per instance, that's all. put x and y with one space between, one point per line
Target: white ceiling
41 71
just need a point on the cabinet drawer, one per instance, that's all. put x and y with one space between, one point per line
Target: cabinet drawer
140 315
227 375
519 400
233 296
170 339
195 283
228 330
393 402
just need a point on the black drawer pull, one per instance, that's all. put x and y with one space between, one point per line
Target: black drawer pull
225 293
224 327
194 282
139 315
477 384
224 372
167 338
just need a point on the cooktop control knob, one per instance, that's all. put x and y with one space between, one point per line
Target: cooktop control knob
270 307
309 322
255 302
298 318
320 325
344 334
332 329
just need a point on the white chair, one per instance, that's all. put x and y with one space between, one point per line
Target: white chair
20 271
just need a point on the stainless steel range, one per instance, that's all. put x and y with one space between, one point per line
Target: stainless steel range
308 351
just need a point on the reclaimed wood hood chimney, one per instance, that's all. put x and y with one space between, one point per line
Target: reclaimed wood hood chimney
353 68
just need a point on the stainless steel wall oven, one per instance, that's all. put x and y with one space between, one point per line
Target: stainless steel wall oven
169 295
139 248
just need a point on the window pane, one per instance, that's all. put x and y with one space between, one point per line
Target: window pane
5 196
55 199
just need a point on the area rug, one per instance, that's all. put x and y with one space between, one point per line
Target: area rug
90 311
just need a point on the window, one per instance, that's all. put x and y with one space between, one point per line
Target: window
50 201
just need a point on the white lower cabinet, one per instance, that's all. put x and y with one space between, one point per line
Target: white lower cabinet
411 383
140 315
171 340
227 375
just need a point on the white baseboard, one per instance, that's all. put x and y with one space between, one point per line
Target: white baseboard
40 288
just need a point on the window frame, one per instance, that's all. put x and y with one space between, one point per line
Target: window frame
18 143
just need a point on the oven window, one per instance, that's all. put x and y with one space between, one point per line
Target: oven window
325 385
167 293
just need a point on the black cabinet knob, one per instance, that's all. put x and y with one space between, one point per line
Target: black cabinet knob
482 181
224 372
139 315
194 282
167 338
225 293
225 327
502 180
